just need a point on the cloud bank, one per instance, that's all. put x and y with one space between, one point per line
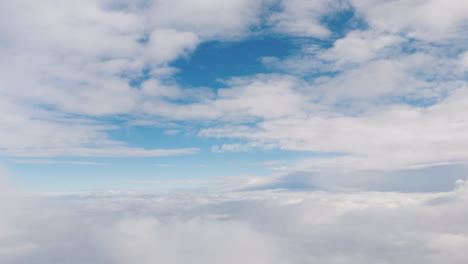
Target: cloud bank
233 227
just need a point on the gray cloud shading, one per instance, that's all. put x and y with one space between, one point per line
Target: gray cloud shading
430 179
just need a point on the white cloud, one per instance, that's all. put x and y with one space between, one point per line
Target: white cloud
167 44
154 87
431 20
464 61
209 18
163 165
359 46
26 132
269 162
77 58
49 161
247 227
247 99
386 95
392 99
108 151
381 138
264 96
69 59
179 183
303 18
411 76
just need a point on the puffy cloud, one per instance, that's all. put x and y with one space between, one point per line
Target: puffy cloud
360 46
263 96
168 44
389 95
386 138
431 20
66 59
384 93
304 18
209 18
26 132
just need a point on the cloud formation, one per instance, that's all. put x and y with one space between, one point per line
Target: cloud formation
248 227
66 65
380 94
396 72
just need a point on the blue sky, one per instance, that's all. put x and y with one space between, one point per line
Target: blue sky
233 131
148 95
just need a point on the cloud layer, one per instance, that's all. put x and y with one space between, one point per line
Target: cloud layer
248 227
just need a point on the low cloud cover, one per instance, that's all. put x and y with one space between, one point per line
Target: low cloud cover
236 227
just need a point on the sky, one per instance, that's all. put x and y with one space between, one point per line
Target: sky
234 131
212 95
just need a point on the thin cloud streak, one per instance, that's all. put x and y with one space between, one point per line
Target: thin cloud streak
49 161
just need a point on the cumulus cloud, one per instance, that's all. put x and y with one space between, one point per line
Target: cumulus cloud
79 58
387 94
304 18
27 132
389 91
431 20
388 137
72 59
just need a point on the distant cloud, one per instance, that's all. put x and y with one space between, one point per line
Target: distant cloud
173 182
48 161
269 162
163 165
172 132
97 152
439 178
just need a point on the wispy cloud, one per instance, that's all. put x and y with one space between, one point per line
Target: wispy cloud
173 182
269 162
49 161
111 151
163 165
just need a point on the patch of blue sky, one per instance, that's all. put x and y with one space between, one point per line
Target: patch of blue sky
347 106
61 177
215 61
310 76
342 22
158 137
448 49
417 102
136 79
